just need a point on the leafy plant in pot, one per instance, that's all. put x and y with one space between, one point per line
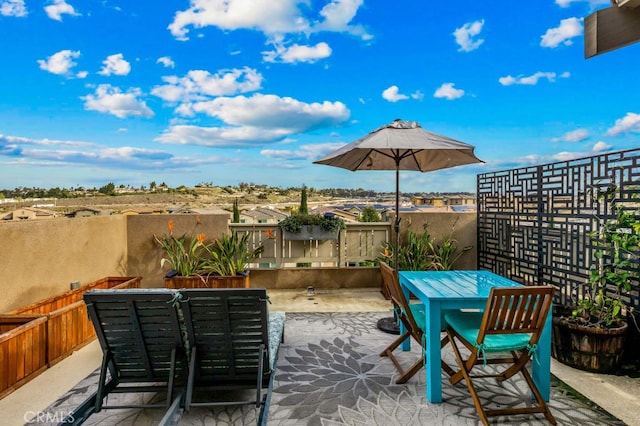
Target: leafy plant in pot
195 263
591 334
311 226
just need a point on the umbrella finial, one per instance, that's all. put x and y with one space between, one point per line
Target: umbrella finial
403 124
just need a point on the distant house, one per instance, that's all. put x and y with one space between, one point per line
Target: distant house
262 215
29 213
444 200
142 211
89 212
197 210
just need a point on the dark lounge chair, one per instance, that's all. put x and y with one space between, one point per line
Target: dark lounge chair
234 342
143 351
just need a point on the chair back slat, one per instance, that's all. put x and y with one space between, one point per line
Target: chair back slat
140 329
398 299
229 330
516 310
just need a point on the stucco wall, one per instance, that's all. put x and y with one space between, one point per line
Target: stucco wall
40 258
460 226
144 255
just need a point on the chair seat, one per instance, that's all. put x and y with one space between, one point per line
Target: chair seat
276 333
417 310
467 325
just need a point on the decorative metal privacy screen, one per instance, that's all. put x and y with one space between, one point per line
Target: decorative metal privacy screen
534 222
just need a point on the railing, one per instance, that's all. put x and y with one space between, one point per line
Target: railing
357 245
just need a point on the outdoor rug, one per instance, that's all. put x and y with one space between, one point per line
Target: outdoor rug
330 373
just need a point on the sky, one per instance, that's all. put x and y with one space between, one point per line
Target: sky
228 91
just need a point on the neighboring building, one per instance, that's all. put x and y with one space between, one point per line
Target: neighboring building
262 215
196 210
29 213
142 211
444 200
89 212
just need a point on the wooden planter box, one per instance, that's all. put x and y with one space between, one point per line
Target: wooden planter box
68 325
239 281
23 350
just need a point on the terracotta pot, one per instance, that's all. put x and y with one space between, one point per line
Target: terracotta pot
239 281
587 348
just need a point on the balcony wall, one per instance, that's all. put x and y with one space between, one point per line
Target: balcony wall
41 258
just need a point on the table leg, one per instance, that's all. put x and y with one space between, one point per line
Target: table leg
541 370
406 345
433 355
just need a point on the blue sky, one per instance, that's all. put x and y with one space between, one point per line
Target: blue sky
230 91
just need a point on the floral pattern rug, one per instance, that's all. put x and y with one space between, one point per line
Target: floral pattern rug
330 373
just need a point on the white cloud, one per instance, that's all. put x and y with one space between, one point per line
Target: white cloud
59 8
82 74
269 17
297 53
337 16
392 94
628 123
568 29
59 63
13 8
255 120
532 79
465 36
271 111
199 84
281 17
111 100
417 95
115 64
166 61
577 135
303 152
219 136
601 146
448 92
592 3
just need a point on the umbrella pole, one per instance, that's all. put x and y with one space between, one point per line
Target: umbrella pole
396 225
391 325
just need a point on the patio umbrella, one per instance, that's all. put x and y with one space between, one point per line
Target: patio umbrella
401 145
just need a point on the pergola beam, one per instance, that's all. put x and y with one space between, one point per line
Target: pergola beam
610 28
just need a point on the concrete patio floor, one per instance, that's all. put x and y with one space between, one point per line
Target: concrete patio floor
619 395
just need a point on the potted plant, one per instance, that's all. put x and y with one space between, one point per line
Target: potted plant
228 260
590 335
196 263
183 254
302 226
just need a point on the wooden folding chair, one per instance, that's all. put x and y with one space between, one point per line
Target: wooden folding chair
412 317
512 322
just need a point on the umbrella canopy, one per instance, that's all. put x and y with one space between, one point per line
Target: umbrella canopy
401 145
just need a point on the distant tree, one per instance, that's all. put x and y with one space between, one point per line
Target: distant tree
370 214
304 208
236 212
108 189
152 185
